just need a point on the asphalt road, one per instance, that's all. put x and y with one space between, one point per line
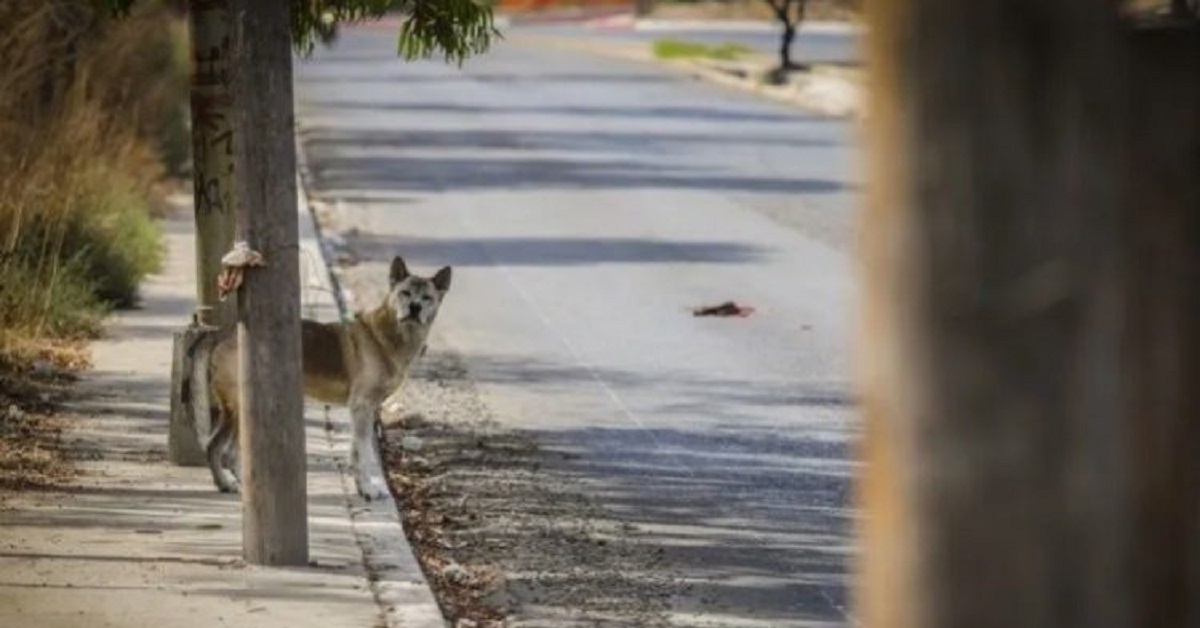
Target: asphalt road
587 205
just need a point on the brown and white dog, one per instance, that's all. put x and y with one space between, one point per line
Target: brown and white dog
357 364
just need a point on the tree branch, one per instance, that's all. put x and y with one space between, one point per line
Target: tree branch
783 10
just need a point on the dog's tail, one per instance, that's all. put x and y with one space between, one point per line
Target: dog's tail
198 405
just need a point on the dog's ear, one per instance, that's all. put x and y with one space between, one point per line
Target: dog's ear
441 280
399 271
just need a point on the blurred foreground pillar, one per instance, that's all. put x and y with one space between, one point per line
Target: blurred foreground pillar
1031 337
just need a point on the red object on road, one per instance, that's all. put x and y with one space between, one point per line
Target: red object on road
728 308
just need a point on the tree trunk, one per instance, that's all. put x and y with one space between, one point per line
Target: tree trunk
997 484
1032 318
1162 223
783 13
785 46
274 499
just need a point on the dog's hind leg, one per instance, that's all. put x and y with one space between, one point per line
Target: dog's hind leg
234 457
217 449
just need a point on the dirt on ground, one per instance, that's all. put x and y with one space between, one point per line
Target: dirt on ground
503 532
32 452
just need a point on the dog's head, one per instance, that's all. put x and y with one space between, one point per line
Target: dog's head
415 300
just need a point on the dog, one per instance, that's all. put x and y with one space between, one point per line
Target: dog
357 364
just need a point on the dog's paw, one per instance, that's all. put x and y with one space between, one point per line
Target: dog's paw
226 481
373 489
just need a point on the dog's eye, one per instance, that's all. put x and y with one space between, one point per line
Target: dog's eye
406 293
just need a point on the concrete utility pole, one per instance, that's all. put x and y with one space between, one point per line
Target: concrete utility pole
1032 321
274 487
215 207
212 153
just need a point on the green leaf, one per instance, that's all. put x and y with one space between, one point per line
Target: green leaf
455 29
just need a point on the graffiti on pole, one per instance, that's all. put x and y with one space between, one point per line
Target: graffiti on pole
212 132
212 149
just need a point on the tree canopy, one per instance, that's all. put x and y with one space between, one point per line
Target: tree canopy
453 29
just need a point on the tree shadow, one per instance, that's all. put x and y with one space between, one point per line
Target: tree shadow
358 70
664 113
549 251
736 518
625 142
732 533
436 174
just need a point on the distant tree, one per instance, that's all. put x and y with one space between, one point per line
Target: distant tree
790 14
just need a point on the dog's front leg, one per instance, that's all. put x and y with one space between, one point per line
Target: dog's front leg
365 454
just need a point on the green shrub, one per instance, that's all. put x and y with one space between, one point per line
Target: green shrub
92 115
54 302
114 241
729 51
679 49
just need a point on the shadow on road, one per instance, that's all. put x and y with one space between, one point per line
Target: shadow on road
548 251
732 522
661 112
432 174
366 74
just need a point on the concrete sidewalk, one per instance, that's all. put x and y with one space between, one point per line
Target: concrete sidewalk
136 541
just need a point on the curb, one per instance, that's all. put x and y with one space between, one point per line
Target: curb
808 97
745 26
404 595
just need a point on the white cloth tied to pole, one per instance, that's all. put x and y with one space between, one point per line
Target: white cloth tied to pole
233 266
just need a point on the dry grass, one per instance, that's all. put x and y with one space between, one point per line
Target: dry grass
91 120
89 109
32 454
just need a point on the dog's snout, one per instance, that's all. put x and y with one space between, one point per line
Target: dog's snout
414 310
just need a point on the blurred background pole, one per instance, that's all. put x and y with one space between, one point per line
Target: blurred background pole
1009 479
1161 221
